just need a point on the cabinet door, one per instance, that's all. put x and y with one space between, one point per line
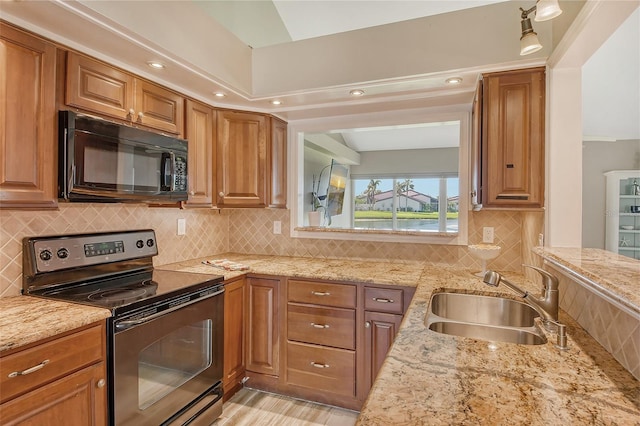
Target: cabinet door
200 132
27 121
234 332
263 335
380 331
78 399
241 159
278 164
97 87
513 139
159 108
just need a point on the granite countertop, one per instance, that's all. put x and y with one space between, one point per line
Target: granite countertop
427 378
430 378
27 319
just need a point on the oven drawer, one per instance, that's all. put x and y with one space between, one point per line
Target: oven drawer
323 326
321 369
384 300
320 293
49 361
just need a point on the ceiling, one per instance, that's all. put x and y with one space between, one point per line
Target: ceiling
264 23
202 43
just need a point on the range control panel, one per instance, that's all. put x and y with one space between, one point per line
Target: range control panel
54 253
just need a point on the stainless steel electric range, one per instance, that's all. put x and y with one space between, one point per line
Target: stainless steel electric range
165 336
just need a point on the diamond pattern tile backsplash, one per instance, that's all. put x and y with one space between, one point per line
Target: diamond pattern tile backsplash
244 231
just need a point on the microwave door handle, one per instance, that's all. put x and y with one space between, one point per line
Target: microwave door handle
167 171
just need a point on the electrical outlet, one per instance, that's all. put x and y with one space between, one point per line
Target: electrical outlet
487 235
277 227
182 226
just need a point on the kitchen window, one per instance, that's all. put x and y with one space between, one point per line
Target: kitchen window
418 179
421 204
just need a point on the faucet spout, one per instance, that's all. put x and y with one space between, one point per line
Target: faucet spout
546 305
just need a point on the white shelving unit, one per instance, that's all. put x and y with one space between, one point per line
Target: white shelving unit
620 197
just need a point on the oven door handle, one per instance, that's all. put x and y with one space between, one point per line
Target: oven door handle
127 324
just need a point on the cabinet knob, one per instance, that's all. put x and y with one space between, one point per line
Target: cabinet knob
140 115
192 192
221 194
132 112
367 324
100 383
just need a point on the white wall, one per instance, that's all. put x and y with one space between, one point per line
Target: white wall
597 158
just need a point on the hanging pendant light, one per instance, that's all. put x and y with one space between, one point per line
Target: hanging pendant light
547 9
529 42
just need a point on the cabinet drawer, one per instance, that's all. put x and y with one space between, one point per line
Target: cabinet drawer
319 368
62 356
323 326
384 300
319 293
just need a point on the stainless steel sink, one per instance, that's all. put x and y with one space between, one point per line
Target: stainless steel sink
490 318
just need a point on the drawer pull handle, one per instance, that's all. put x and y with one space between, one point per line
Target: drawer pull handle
320 293
319 365
314 325
383 300
29 370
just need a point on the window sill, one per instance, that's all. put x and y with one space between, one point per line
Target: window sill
319 232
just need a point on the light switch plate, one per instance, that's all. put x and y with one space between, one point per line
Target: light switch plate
277 227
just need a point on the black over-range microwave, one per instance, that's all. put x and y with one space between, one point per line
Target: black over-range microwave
109 162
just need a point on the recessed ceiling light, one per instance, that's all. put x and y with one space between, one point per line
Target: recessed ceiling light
356 92
276 102
453 80
219 95
155 64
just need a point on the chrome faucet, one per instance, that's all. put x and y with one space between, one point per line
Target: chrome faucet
546 305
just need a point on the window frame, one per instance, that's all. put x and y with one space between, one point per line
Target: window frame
297 129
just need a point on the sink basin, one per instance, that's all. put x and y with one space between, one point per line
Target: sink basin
490 310
491 318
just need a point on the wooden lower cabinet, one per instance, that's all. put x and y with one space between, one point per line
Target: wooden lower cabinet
335 337
66 384
380 332
234 331
263 326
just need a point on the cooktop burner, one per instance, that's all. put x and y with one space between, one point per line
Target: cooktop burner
124 294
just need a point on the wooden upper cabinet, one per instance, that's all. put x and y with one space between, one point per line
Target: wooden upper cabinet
277 163
200 133
512 146
97 87
241 164
28 137
159 108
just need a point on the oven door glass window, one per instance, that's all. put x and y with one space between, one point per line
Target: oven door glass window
173 360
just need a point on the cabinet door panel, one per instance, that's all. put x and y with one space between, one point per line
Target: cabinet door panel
75 400
513 139
380 332
200 132
27 121
262 334
234 332
160 108
278 164
241 159
97 87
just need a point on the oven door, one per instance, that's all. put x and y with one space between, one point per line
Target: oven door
167 362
